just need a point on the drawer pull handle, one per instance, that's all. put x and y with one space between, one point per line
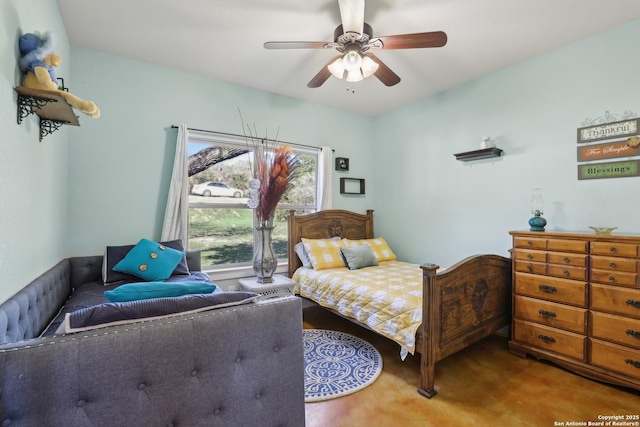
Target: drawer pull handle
566 259
547 314
636 304
529 268
635 334
566 272
529 256
612 264
612 279
529 243
548 289
634 363
613 250
546 338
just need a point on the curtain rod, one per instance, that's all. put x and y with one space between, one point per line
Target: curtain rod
250 137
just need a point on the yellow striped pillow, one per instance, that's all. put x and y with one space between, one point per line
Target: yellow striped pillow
379 246
325 253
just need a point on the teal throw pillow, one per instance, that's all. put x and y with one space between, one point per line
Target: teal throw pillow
359 256
148 290
150 261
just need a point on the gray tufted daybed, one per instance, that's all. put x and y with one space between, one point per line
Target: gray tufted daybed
233 366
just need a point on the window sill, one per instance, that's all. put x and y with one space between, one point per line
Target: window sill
228 273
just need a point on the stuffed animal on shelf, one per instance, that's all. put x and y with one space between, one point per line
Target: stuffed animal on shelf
38 64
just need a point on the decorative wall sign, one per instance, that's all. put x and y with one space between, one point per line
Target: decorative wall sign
609 130
609 170
608 150
342 164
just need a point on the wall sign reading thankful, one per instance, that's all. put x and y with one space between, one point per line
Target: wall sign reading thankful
608 130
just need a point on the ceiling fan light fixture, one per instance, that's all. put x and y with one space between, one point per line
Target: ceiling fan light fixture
369 67
354 76
352 61
337 68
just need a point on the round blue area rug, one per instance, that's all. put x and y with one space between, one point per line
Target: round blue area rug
337 364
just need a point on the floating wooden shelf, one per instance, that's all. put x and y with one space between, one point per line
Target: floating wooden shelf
484 153
51 107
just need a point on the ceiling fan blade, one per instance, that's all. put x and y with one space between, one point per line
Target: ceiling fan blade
295 45
352 15
322 76
384 73
413 41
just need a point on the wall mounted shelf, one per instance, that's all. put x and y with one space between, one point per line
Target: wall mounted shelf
484 153
351 186
52 109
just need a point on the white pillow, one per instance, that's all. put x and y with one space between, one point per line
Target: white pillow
302 254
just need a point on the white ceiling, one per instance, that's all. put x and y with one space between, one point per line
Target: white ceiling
223 39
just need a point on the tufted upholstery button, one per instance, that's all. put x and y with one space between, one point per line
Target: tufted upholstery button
276 349
217 411
6 422
170 425
258 396
239 359
194 373
142 386
80 403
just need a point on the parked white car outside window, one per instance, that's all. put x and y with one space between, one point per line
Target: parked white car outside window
209 189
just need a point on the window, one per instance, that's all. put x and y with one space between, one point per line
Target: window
220 223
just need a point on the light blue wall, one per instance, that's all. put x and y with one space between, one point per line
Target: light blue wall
33 175
105 182
120 164
433 208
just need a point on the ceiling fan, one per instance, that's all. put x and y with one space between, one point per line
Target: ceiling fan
354 40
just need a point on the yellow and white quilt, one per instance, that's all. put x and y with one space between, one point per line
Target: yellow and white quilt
387 297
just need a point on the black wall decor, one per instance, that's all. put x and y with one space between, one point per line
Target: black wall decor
351 186
342 164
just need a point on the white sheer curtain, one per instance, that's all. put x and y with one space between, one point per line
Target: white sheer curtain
325 186
175 215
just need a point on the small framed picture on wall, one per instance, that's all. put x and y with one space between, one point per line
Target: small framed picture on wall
342 164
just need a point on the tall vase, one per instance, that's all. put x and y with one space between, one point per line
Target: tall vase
264 259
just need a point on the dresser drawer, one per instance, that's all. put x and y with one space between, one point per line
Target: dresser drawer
551 314
615 357
614 299
614 249
580 246
563 342
566 291
614 278
533 256
530 243
531 267
609 327
574 260
567 272
614 264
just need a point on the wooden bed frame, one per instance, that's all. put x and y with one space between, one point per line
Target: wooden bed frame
461 304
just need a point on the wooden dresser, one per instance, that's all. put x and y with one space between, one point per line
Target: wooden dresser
576 302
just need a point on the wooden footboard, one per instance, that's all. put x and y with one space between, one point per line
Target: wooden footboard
461 305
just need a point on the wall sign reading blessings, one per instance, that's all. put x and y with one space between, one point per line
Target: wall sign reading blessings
609 170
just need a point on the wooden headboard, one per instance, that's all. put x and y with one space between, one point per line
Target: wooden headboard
324 225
